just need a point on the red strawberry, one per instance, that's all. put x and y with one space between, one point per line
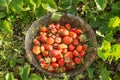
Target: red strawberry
45 53
42 60
54 53
57 26
36 42
71 47
51 26
43 29
67 26
61 62
42 38
48 47
65 33
36 50
73 29
64 51
38 57
55 65
79 48
50 40
84 47
78 31
67 40
72 34
42 48
54 30
68 55
75 41
75 53
82 53
45 66
59 56
77 60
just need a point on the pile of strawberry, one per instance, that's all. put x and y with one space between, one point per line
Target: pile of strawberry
59 48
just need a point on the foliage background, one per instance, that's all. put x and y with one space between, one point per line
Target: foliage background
16 16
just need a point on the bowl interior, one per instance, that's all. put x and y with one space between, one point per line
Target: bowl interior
74 21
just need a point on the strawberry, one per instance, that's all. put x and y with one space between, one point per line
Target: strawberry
62 46
78 31
79 48
77 60
72 34
75 53
62 27
65 33
38 57
75 41
43 29
36 50
41 60
67 40
58 40
57 26
36 42
42 48
48 47
61 62
73 29
69 67
59 56
54 30
53 59
44 66
68 55
67 26
54 53
82 53
42 38
51 26
55 65
64 51
71 47
50 40
45 53
84 47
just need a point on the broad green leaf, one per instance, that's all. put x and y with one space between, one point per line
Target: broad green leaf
49 5
64 4
109 37
114 22
21 61
2 14
35 77
25 72
35 3
84 1
56 16
9 76
39 12
6 27
104 74
101 4
116 7
90 73
12 63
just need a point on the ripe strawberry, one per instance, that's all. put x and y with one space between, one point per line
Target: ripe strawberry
45 66
62 27
36 42
54 30
84 47
75 53
78 31
55 65
57 26
69 67
51 26
67 40
38 57
68 55
65 33
75 41
77 60
50 40
62 46
48 47
43 29
71 47
36 50
61 62
58 40
82 53
42 61
59 56
42 38
54 53
72 34
53 59
73 29
64 51
45 53
67 26
79 48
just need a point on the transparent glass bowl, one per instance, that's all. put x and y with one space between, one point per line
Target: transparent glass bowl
62 18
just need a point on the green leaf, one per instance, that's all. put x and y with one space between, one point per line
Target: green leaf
2 14
6 27
35 77
25 72
12 63
56 16
9 76
21 61
64 4
101 4
90 73
49 5
104 74
109 37
114 22
116 7
39 12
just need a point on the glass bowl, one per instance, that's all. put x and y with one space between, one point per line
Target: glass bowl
62 18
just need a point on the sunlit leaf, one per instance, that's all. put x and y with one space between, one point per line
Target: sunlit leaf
35 77
49 5
101 4
56 16
9 76
90 73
